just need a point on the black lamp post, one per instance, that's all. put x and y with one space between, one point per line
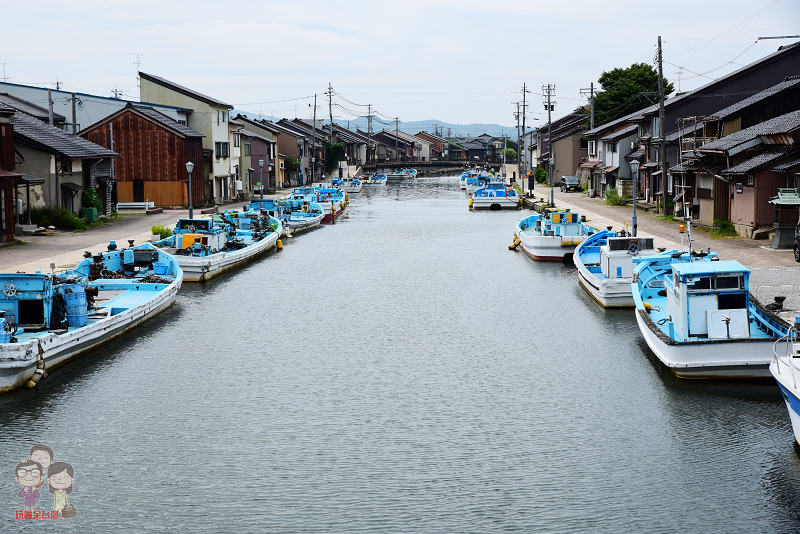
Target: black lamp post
261 166
189 168
635 172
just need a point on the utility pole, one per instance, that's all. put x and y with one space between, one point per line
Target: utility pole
74 119
5 79
330 107
50 104
550 89
396 135
524 114
662 126
369 129
111 147
313 143
591 103
504 148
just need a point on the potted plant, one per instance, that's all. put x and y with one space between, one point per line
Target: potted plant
159 232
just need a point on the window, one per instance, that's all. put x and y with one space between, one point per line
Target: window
236 140
247 149
584 143
592 148
182 121
669 183
750 180
222 150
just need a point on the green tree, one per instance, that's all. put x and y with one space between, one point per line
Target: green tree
510 154
622 90
333 155
540 175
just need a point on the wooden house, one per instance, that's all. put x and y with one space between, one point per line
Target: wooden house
154 150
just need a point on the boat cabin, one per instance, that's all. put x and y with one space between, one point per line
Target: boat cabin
708 299
562 224
616 254
203 232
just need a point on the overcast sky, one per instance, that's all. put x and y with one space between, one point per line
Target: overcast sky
458 61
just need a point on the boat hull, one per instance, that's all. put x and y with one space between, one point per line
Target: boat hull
200 269
488 203
18 361
785 376
545 248
609 293
297 226
736 358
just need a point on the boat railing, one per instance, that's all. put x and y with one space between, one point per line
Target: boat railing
788 340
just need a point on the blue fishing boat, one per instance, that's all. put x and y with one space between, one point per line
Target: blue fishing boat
697 315
295 215
495 196
477 180
785 367
605 265
208 246
333 201
551 235
403 174
374 180
49 318
348 185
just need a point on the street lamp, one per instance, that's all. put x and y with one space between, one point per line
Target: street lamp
261 166
189 167
635 172
552 162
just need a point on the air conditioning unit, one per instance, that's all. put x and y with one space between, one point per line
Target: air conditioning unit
281 165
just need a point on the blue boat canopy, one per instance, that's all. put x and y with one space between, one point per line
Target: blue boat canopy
702 267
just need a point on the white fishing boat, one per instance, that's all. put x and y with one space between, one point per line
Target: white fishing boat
551 236
404 174
349 185
47 319
374 180
785 367
495 196
209 246
605 265
295 215
696 314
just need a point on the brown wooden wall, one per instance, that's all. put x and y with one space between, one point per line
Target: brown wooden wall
154 154
165 194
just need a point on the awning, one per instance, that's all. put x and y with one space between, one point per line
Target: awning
657 173
71 187
679 197
650 165
27 179
9 174
609 169
590 164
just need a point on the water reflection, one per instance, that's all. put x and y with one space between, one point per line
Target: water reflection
401 370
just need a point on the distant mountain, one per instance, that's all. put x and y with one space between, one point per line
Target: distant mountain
412 127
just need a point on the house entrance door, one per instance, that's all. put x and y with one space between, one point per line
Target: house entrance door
138 190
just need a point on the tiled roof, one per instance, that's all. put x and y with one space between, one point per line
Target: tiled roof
29 108
167 121
184 90
765 158
56 139
634 154
788 166
253 135
758 97
779 125
620 133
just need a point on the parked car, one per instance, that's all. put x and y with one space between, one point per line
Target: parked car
570 183
797 242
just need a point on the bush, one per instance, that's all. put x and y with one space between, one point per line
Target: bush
613 198
59 218
724 228
91 200
161 230
540 175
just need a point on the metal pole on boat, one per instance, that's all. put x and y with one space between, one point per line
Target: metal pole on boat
635 173
189 168
261 166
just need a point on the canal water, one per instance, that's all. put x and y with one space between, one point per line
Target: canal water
400 371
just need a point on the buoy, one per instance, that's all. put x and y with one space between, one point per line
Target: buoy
565 244
279 244
512 246
648 307
470 203
517 240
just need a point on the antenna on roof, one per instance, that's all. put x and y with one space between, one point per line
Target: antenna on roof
137 63
116 92
5 79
